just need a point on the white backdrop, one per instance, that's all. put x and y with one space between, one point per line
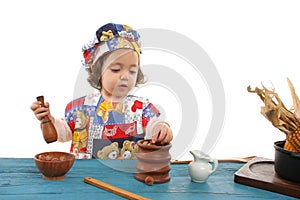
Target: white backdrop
249 42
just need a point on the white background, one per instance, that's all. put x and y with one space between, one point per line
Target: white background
249 42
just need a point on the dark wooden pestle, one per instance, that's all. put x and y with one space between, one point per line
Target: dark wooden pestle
48 129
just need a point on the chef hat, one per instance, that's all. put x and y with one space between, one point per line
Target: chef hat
110 37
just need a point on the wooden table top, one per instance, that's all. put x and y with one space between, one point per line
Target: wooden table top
20 179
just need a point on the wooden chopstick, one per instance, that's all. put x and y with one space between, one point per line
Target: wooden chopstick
113 189
238 160
180 161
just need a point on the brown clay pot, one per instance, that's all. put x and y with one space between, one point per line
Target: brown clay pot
153 164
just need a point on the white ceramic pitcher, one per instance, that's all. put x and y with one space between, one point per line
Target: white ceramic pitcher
200 168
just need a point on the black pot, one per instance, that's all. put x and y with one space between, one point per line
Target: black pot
286 163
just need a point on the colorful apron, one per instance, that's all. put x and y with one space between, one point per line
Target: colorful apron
108 130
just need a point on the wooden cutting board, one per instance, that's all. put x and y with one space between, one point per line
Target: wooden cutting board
260 173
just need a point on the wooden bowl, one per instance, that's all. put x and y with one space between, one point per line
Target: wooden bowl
286 163
54 165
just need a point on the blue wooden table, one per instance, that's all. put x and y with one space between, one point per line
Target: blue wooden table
20 179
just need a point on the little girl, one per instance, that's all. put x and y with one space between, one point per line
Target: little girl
108 123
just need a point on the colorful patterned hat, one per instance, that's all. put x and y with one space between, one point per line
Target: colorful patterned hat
110 37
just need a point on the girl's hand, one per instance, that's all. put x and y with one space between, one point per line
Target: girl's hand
39 111
162 133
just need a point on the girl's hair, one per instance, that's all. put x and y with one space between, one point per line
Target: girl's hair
95 73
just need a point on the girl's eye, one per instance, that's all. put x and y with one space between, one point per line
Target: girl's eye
132 72
115 70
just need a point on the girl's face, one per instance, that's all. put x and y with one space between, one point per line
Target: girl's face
119 74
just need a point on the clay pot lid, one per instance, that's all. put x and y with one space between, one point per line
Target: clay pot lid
146 144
